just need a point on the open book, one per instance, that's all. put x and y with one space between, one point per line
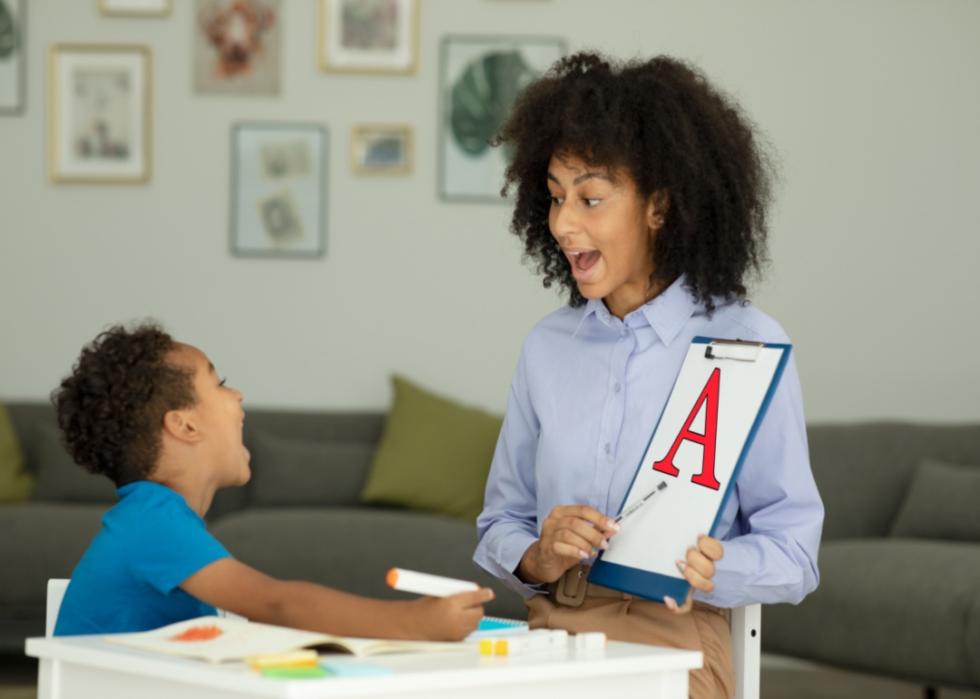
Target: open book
218 639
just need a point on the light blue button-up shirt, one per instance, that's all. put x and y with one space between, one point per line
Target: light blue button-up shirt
586 394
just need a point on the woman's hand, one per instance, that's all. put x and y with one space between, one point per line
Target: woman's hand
569 535
450 618
698 569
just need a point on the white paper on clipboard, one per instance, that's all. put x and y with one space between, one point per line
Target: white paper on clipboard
717 402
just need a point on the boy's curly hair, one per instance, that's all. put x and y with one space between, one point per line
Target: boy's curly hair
111 407
674 134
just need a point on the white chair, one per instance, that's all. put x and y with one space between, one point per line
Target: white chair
48 671
56 593
747 650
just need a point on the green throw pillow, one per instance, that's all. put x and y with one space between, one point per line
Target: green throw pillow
15 483
434 454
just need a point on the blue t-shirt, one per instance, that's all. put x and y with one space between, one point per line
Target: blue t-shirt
129 578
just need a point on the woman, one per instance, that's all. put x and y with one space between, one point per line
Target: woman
641 190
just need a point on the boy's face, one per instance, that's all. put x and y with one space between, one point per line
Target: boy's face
218 417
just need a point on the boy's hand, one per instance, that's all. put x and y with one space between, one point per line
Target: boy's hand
698 569
569 535
450 618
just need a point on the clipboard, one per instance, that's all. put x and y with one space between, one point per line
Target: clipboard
697 448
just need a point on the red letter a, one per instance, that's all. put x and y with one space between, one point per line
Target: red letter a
706 440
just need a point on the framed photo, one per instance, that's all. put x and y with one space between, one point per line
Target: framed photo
368 36
278 190
479 79
135 8
237 44
12 56
381 149
99 100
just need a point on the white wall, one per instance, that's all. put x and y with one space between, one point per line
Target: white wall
872 105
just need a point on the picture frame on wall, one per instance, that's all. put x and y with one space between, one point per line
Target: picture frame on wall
479 79
99 113
237 47
135 8
278 189
382 149
368 36
13 53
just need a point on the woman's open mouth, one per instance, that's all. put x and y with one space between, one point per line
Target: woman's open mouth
583 263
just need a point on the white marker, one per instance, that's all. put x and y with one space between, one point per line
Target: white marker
425 584
593 640
536 640
639 503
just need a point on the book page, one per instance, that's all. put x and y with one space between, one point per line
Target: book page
217 639
383 646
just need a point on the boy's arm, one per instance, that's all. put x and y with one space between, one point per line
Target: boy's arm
235 587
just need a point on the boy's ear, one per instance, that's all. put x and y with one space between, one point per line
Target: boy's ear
180 425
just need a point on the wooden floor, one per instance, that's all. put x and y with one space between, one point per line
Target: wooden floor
781 679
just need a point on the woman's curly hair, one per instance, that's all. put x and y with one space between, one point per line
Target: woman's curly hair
674 134
110 408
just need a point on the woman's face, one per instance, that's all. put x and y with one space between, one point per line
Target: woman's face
605 230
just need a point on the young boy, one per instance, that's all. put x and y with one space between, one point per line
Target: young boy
152 415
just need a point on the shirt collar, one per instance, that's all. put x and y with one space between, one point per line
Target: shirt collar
593 307
666 314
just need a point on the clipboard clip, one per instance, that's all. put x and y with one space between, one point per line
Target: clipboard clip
739 350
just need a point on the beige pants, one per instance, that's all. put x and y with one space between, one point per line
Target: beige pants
623 617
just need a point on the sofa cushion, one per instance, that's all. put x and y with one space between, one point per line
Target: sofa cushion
906 608
15 483
863 470
60 479
943 502
297 472
40 541
434 454
352 548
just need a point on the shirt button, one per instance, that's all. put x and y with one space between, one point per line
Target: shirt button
617 387
608 448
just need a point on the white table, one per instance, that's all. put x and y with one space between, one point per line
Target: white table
88 667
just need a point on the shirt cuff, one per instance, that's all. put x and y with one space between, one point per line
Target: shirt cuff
739 582
501 558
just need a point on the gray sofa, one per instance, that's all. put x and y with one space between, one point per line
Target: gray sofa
898 606
299 517
891 602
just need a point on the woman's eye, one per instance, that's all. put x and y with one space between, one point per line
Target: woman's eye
557 201
222 382
592 202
